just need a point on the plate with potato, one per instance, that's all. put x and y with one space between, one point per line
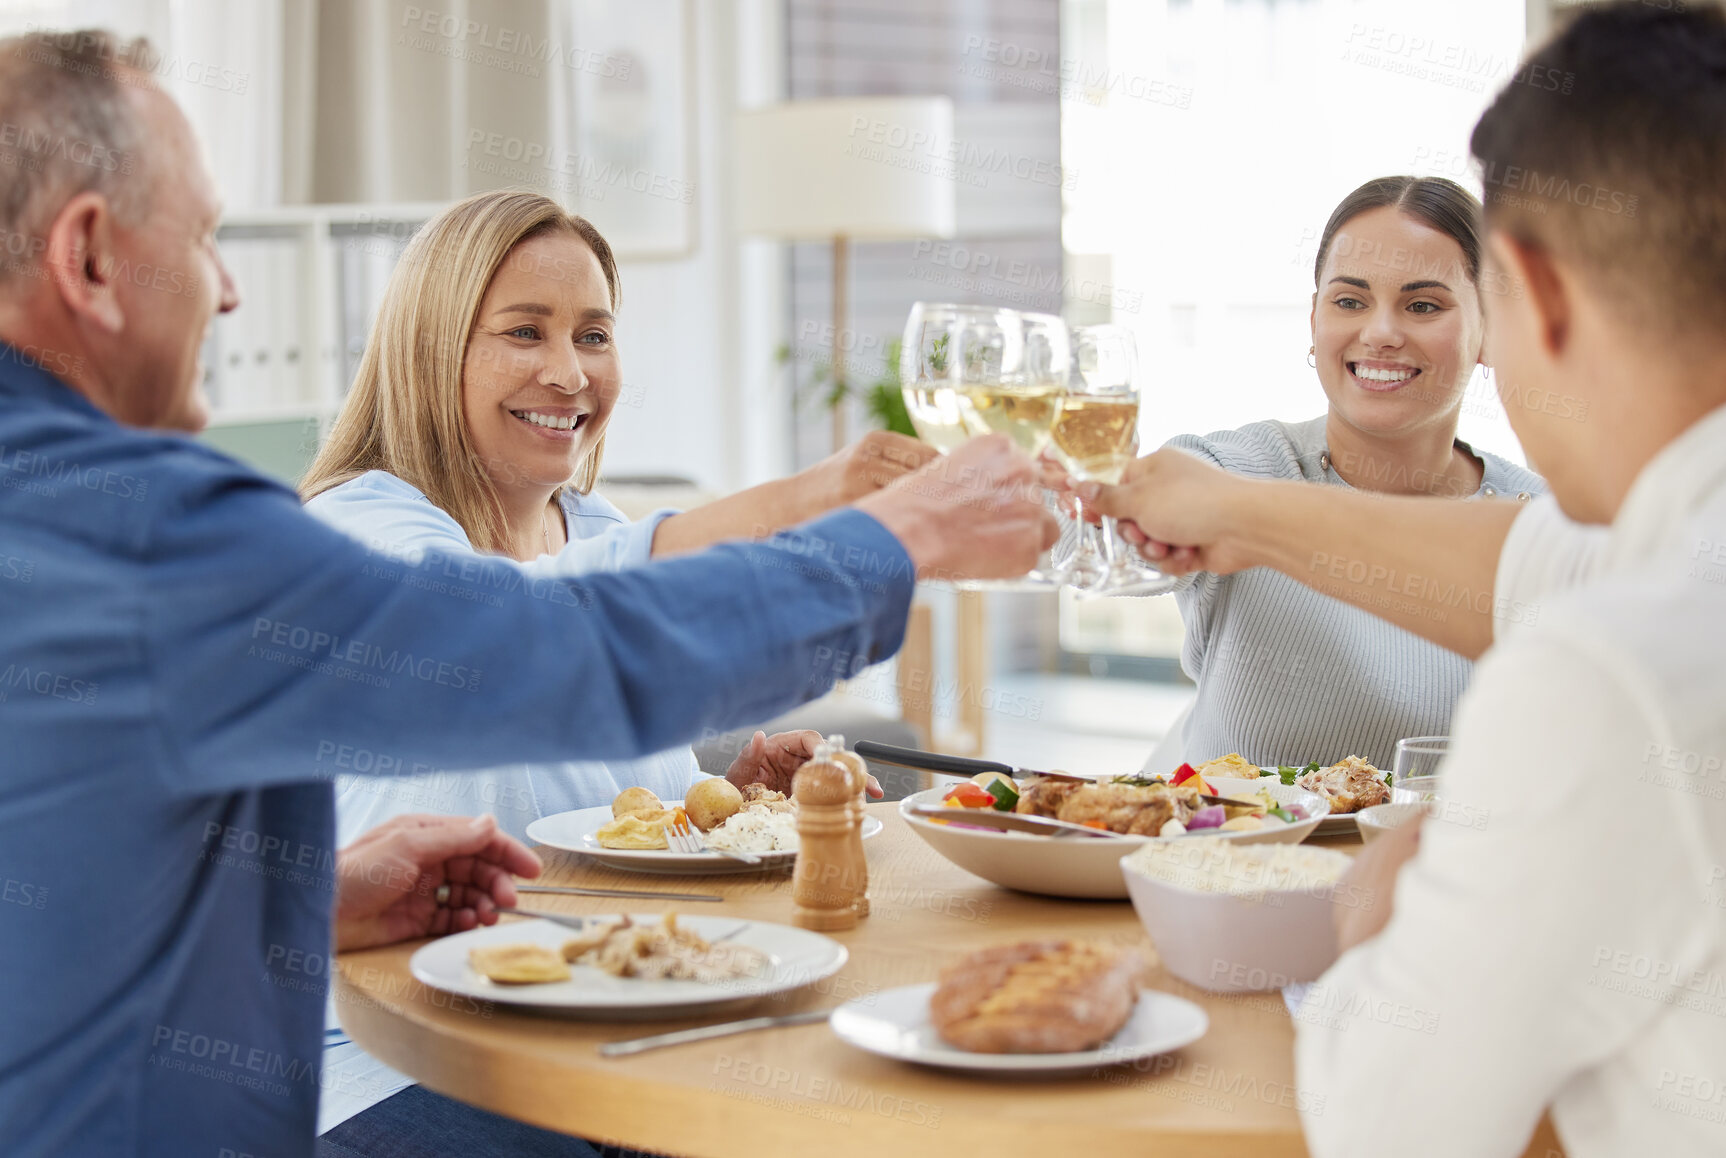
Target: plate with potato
629 833
538 965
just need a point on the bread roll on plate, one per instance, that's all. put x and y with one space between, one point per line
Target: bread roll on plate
1036 997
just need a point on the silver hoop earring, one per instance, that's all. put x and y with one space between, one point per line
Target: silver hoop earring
1312 357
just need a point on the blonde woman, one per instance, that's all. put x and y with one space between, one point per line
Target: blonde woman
476 425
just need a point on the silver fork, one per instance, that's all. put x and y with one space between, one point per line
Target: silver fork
683 837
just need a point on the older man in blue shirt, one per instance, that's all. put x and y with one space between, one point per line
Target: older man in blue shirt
179 644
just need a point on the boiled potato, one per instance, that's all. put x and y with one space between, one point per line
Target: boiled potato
984 779
633 800
711 803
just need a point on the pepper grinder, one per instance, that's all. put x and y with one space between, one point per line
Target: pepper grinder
859 797
824 883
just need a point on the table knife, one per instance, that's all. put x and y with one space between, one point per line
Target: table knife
723 1029
1011 821
570 890
968 767
951 765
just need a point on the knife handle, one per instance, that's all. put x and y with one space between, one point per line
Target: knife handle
930 761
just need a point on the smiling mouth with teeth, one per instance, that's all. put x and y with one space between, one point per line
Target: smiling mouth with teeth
550 421
1371 374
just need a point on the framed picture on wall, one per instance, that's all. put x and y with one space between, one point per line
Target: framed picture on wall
632 129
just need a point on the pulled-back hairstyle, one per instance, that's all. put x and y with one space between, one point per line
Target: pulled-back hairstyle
404 414
1608 148
1436 201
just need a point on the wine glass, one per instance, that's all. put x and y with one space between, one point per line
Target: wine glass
923 355
966 371
1095 436
1414 775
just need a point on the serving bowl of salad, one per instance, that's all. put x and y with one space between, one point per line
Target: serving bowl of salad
1121 814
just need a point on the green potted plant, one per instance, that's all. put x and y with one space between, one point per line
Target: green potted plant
882 399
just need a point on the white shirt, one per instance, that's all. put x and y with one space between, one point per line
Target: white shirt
1560 938
1545 554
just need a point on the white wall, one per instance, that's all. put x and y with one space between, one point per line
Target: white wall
698 333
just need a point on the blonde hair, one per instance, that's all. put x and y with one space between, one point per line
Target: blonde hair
404 413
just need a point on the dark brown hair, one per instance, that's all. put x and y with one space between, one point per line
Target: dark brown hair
1440 203
1608 148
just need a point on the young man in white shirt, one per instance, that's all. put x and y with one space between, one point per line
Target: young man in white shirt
1569 942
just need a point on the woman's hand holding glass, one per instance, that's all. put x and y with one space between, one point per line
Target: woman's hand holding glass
1183 513
867 465
1095 436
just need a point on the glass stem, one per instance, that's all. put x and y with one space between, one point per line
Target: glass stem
1109 552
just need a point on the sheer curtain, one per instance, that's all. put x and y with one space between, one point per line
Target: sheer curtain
345 100
1212 141
223 61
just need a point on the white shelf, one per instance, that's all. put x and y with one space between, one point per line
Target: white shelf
287 412
299 310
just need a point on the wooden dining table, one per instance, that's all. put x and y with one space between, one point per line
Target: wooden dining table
799 1090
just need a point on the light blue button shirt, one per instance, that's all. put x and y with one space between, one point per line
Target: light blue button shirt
392 516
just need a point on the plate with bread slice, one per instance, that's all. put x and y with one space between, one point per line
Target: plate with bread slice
1032 1009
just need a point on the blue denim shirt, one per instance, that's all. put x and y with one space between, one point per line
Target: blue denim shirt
178 643
391 515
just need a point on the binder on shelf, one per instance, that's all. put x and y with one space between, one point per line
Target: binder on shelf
287 338
211 356
236 373
351 292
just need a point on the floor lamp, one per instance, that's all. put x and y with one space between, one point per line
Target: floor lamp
856 169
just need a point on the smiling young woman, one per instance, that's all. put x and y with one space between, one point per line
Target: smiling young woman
1286 673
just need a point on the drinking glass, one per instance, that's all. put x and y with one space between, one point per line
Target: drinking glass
972 370
1415 774
1095 437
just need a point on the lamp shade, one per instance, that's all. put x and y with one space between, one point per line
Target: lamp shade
870 168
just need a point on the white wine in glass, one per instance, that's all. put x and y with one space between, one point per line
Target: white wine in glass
1026 414
937 415
1093 435
994 370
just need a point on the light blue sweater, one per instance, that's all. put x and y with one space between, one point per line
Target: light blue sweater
396 519
393 517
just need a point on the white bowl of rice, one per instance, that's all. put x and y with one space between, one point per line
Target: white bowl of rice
1233 918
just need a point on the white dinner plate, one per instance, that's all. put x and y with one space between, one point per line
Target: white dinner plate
1338 825
795 958
895 1023
574 832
